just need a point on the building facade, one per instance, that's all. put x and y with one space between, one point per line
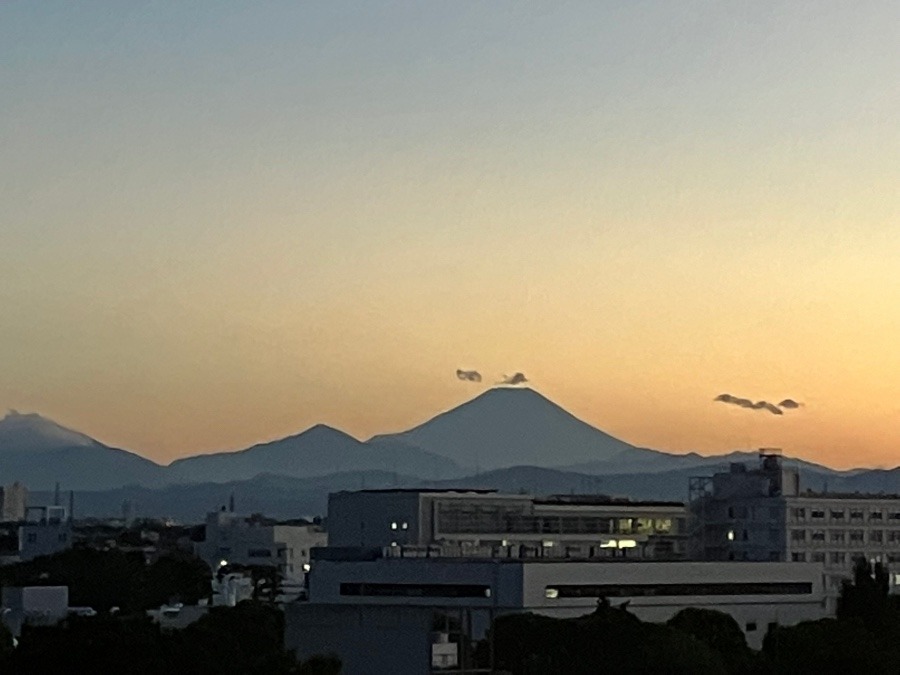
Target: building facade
46 530
486 522
409 615
233 539
761 514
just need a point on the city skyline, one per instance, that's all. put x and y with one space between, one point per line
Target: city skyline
223 224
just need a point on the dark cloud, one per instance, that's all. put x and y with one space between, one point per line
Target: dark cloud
515 378
789 404
468 375
749 404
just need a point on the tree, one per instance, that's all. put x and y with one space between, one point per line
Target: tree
719 631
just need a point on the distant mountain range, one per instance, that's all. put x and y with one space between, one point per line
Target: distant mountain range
510 439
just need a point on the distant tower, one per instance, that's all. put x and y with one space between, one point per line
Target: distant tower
231 502
71 506
56 494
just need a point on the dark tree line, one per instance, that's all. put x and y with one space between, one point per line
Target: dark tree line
243 640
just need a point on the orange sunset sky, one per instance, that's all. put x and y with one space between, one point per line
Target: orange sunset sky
223 222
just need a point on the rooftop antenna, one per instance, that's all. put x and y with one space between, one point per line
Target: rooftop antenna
56 494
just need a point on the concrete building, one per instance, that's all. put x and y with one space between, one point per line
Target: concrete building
471 522
34 605
410 615
254 540
761 514
46 530
13 499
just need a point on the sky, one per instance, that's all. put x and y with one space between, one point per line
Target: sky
223 222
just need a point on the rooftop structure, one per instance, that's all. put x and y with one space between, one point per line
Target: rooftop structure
470 522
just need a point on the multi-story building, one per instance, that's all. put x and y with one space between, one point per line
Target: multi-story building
13 499
761 514
232 539
46 530
486 522
392 613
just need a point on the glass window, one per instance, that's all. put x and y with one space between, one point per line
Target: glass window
837 558
798 557
837 536
818 513
876 515
818 535
800 514
876 536
818 557
856 515
856 535
837 515
798 535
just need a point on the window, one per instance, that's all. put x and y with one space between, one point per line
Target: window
818 513
856 515
894 515
750 627
818 535
417 590
800 514
394 525
818 557
876 515
894 536
644 590
837 536
856 535
837 515
798 557
837 558
876 536
404 525
259 553
798 535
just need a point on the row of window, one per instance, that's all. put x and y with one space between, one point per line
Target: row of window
646 590
800 513
841 536
839 557
416 590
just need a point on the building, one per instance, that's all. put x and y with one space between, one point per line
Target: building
486 522
46 530
409 615
232 539
34 605
13 499
761 514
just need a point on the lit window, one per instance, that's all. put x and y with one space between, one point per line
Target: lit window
551 593
404 526
730 535
394 525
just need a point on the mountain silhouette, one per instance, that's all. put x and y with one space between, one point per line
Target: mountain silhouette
507 426
317 451
39 453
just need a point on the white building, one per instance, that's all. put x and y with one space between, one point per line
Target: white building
756 514
232 539
34 605
470 522
384 615
45 531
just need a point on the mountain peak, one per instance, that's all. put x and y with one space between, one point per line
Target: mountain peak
33 432
507 426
